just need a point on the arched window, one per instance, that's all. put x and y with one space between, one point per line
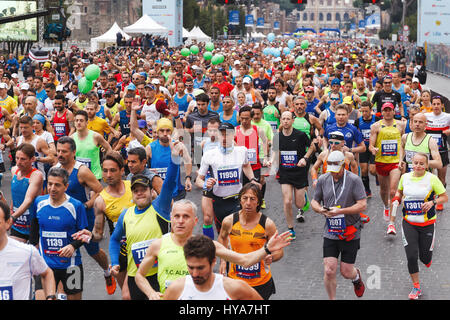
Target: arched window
346 16
328 16
338 17
311 16
321 16
305 16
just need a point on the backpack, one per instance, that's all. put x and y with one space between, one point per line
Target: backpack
422 75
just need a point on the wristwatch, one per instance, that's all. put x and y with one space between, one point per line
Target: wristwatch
254 179
188 177
434 202
267 249
51 297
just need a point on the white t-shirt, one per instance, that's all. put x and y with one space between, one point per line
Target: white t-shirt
217 291
47 136
151 114
48 104
18 263
227 169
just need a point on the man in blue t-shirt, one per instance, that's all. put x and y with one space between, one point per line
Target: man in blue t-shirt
354 141
56 217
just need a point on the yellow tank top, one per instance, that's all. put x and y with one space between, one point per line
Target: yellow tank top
245 241
388 143
140 230
114 205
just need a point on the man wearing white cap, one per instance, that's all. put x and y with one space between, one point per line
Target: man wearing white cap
251 95
340 197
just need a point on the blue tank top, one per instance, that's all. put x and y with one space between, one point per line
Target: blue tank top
331 119
161 158
364 127
233 119
124 122
182 103
218 110
101 112
18 191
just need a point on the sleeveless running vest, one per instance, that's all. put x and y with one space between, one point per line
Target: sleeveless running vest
251 142
411 149
269 116
88 153
245 241
114 205
18 191
171 262
303 124
60 125
140 229
388 143
124 122
217 291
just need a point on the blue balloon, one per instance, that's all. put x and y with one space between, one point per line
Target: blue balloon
276 53
271 36
291 44
286 50
266 51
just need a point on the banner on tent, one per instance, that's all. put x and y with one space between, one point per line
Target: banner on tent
249 20
276 25
260 22
233 17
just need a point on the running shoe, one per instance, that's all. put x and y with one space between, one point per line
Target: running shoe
439 207
368 194
263 204
110 284
359 286
391 229
300 216
292 236
415 293
364 218
307 203
386 215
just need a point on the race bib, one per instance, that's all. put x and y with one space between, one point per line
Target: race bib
162 172
366 134
413 207
336 225
389 148
60 129
273 125
228 177
138 251
251 272
53 241
289 159
438 138
85 161
251 156
6 290
23 220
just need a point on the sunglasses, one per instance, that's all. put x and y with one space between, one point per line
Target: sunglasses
334 163
335 99
334 142
388 82
309 91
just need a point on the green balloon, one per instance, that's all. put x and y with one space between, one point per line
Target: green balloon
194 49
92 72
85 85
305 44
207 55
221 58
215 60
209 46
185 52
301 59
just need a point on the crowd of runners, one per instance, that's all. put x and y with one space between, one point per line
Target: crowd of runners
323 119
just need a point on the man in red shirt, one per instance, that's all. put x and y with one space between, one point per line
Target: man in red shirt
224 86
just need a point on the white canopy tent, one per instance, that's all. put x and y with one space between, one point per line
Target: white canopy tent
146 25
197 34
108 38
186 33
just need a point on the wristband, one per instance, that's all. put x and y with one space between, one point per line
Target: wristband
52 297
396 198
254 179
188 177
267 249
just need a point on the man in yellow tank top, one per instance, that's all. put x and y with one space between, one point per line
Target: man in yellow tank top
168 250
385 145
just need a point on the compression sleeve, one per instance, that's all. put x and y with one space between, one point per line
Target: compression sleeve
163 202
114 241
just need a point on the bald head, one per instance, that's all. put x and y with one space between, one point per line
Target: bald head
419 122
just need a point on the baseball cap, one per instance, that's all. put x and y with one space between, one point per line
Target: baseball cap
336 135
108 93
150 86
3 85
387 105
336 81
47 65
197 92
415 80
164 123
24 86
155 81
335 161
140 179
162 107
14 75
311 70
131 86
236 62
226 126
246 80
142 123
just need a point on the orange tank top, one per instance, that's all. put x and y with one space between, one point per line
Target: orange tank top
245 241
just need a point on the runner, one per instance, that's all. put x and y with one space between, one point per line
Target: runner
21 262
63 119
340 197
438 126
385 140
55 217
202 283
421 192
